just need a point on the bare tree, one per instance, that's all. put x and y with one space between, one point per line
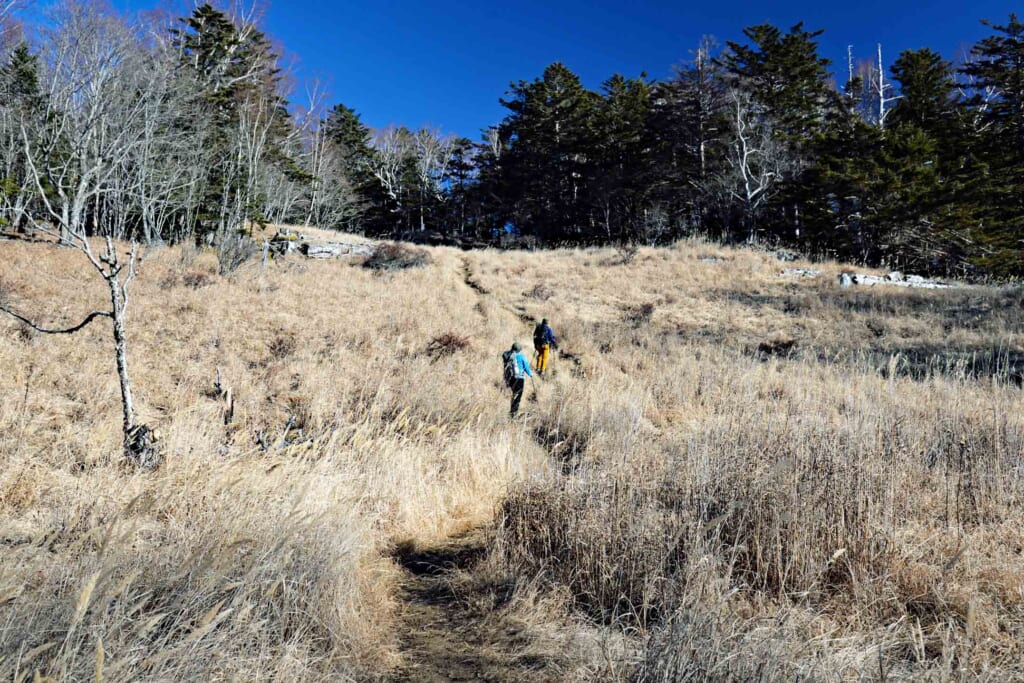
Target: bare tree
96 97
493 143
882 90
755 158
9 28
393 146
981 98
332 201
434 154
874 95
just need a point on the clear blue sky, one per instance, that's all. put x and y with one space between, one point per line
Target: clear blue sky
418 62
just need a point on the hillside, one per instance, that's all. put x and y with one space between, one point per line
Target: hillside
731 475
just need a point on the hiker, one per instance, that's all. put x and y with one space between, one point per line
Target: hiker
517 369
543 340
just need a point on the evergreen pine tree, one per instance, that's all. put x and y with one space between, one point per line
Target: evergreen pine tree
622 176
545 168
789 90
999 65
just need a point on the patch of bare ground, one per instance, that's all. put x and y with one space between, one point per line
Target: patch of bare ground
460 620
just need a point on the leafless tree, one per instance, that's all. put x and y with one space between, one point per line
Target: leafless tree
756 158
980 97
393 146
9 28
434 154
97 94
332 200
874 97
493 142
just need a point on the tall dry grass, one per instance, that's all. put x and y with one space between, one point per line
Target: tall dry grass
259 550
731 475
821 515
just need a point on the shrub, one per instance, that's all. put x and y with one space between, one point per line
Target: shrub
541 292
640 315
197 279
393 256
6 290
447 344
234 250
624 255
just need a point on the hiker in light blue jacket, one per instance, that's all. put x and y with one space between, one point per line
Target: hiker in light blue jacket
517 369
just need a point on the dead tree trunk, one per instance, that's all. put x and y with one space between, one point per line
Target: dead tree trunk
118 302
138 441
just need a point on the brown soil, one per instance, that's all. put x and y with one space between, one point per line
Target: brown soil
457 622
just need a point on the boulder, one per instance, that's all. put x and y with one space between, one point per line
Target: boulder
328 250
801 272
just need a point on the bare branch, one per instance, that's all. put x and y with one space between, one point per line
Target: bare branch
71 330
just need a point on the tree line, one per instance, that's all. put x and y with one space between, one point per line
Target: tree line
164 129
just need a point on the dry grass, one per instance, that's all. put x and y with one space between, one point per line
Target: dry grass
838 512
286 539
847 509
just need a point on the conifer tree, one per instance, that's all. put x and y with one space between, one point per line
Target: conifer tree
243 117
549 140
787 90
621 169
688 128
999 65
21 114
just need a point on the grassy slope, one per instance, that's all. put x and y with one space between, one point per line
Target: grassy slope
672 466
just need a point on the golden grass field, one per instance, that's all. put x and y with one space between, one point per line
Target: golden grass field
731 475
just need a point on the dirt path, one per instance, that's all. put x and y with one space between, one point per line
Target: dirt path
470 280
457 625
458 620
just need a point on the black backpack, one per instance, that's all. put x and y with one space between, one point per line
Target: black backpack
508 360
538 336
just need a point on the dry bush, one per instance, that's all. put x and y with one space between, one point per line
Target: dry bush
213 578
793 505
170 280
197 279
282 345
293 538
233 250
6 291
541 292
624 255
639 315
447 344
394 256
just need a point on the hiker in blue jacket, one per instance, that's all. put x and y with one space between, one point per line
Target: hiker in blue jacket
517 369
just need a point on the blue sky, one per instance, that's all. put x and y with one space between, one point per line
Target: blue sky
446 63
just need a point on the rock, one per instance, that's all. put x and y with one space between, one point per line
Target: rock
895 278
801 272
327 250
868 280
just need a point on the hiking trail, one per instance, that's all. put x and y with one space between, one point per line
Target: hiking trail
455 623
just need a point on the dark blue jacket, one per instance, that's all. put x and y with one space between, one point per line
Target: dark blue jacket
542 334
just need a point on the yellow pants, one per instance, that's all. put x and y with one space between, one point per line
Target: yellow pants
543 356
